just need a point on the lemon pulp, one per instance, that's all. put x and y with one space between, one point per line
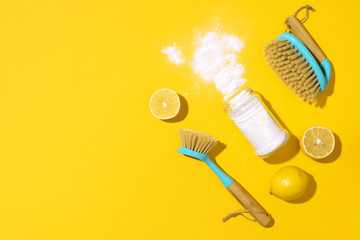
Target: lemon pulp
164 104
318 142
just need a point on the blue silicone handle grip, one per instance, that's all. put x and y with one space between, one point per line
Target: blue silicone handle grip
224 178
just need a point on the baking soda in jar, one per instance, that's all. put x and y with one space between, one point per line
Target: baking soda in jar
256 123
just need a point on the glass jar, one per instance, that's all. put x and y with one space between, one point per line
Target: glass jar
253 119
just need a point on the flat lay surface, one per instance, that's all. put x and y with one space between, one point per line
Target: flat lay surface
82 156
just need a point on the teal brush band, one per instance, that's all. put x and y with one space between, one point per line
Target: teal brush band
224 178
322 71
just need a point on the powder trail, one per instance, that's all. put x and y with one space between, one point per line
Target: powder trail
174 55
215 60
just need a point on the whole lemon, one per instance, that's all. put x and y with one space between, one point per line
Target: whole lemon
289 183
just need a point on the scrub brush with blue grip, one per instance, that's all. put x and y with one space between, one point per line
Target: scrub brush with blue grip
197 145
298 60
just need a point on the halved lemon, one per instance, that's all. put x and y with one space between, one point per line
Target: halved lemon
318 142
165 104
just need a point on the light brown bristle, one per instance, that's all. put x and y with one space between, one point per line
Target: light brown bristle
293 69
197 141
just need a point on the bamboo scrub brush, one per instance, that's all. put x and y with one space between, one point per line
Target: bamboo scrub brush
298 60
197 145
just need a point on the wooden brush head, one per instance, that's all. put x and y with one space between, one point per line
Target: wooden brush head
292 68
197 141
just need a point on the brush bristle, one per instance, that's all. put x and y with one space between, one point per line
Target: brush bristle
292 69
197 141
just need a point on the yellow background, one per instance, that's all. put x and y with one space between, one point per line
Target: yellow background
81 156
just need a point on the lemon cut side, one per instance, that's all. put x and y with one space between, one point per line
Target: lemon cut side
318 142
164 104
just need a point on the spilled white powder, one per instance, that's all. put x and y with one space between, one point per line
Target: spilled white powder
215 60
174 54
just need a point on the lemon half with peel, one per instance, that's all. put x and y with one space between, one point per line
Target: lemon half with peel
165 104
318 142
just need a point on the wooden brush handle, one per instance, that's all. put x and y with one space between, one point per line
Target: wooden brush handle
249 203
298 29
